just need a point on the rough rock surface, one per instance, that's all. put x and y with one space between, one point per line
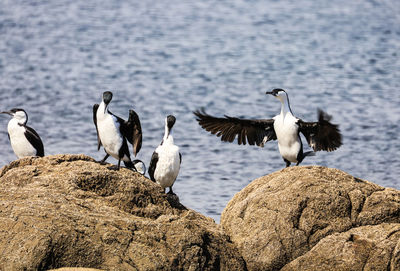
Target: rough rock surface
70 211
280 217
362 248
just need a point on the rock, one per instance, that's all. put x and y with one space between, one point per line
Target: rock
361 248
282 216
70 211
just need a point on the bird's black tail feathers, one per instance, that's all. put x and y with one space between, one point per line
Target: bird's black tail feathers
309 153
129 164
300 158
136 165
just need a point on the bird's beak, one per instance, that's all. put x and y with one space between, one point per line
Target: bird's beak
7 112
270 92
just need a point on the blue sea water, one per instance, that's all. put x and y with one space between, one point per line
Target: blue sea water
172 57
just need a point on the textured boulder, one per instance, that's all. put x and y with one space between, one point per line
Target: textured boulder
362 248
70 211
282 216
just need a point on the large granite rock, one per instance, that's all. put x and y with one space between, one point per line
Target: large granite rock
314 216
70 211
363 248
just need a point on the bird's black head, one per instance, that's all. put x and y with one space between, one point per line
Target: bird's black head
275 92
17 113
13 111
107 97
170 121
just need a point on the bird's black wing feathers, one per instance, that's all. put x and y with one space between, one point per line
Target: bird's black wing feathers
255 131
95 107
132 130
152 166
321 135
35 140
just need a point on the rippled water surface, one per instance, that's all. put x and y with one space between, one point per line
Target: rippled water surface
172 57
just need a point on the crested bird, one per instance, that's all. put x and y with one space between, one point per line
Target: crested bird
285 127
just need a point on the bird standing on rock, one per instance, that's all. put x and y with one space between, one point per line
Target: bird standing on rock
285 127
114 132
24 139
166 159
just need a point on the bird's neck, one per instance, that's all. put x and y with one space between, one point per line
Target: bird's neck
102 108
285 108
14 125
19 121
167 136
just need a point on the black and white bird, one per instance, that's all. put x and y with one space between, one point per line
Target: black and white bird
166 159
114 133
24 139
320 135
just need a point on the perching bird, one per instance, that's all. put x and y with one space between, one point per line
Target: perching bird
114 132
285 127
24 140
166 159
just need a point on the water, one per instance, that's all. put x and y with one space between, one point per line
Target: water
172 57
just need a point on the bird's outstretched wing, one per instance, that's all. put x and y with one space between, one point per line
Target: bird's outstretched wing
152 166
321 135
35 140
132 130
256 131
95 107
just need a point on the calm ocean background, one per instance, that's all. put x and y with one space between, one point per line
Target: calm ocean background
172 57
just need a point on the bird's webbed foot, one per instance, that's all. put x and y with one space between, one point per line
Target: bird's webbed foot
170 192
103 162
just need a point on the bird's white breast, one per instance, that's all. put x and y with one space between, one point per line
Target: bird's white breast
109 133
168 164
287 133
19 143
